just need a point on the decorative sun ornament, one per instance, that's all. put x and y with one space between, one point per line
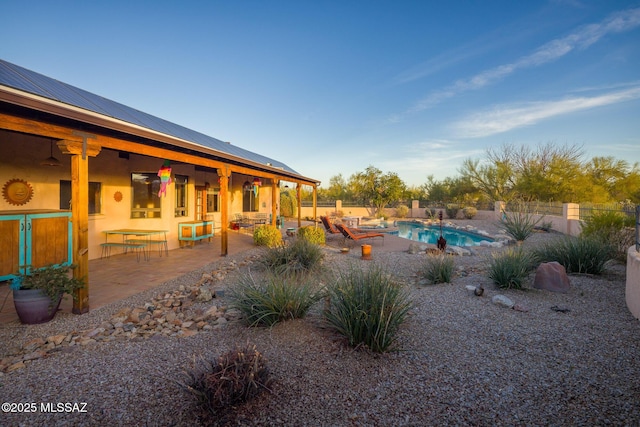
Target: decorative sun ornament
17 192
117 196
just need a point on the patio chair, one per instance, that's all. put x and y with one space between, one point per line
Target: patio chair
351 235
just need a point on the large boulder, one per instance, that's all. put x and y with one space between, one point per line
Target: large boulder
552 276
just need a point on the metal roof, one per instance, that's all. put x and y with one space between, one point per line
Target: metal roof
29 81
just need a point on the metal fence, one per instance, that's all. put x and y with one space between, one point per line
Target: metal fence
588 209
536 208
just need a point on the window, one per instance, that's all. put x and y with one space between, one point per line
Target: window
213 199
181 195
145 202
249 199
95 196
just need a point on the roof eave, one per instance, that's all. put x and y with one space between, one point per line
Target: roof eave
57 108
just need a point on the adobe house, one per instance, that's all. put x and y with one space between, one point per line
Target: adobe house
74 164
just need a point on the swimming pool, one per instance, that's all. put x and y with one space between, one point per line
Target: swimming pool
430 234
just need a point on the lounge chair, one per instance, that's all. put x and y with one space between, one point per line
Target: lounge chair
351 235
331 227
328 225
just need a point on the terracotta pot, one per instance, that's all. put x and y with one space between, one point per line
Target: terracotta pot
366 251
33 306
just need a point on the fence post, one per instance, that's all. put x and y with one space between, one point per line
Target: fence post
571 215
338 205
415 204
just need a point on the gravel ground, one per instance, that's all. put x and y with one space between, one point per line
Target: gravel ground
463 360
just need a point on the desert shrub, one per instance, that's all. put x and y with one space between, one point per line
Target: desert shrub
223 384
430 213
299 257
288 203
578 255
510 269
469 212
382 215
519 224
367 307
612 228
267 235
438 268
452 210
402 211
312 234
273 299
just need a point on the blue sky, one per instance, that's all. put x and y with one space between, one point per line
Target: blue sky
329 87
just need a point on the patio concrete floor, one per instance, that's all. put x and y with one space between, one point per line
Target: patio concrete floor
121 276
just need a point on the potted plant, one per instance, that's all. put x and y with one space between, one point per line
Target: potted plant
37 294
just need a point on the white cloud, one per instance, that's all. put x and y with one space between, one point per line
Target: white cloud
582 38
438 157
507 117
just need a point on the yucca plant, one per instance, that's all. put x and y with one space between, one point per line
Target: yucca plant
520 224
438 268
221 385
367 307
509 270
273 299
585 255
299 257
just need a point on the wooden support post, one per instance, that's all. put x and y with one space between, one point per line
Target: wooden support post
80 153
315 203
274 203
224 211
298 188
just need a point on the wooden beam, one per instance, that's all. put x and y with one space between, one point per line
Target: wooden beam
18 124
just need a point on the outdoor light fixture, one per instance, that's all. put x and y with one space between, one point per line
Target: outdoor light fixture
51 161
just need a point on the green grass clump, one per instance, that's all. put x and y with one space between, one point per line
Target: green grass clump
274 299
510 269
299 257
222 385
367 307
519 225
438 268
312 234
583 255
267 235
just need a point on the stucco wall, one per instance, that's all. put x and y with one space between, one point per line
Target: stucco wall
632 293
20 157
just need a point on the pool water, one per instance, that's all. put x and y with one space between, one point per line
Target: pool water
431 233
